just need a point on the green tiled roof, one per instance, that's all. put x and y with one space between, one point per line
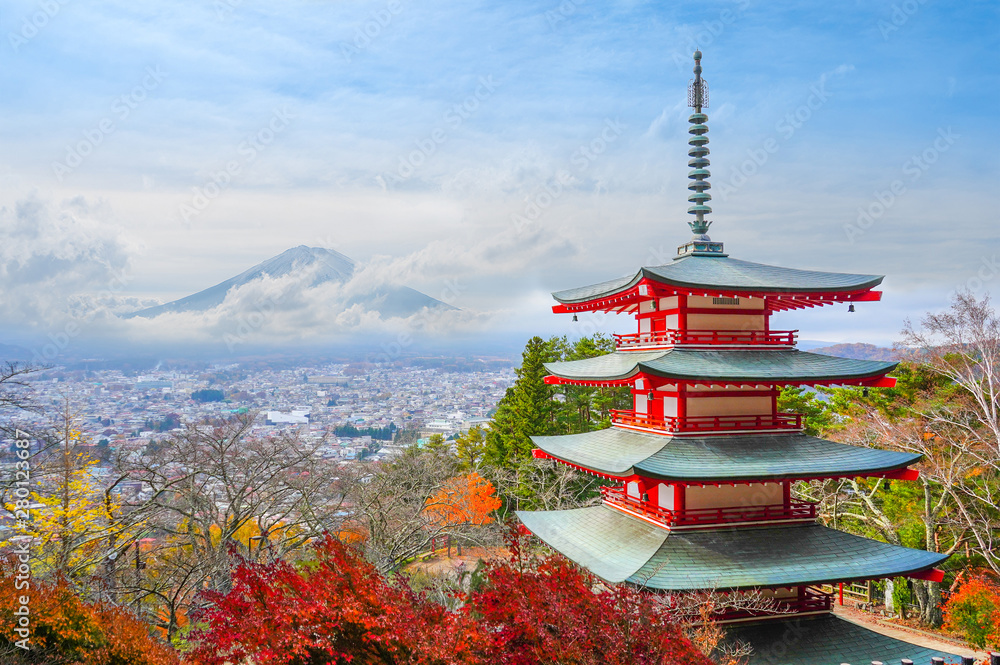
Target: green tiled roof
621 452
617 364
735 365
610 543
613 451
824 640
725 274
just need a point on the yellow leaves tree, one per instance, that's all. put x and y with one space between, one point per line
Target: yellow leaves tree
74 521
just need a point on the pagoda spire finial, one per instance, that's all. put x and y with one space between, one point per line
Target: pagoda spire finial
700 244
698 99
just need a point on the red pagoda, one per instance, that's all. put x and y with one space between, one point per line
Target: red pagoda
704 462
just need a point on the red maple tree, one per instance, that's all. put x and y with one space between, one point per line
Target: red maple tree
339 609
336 609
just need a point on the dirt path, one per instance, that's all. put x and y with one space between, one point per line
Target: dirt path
440 562
911 635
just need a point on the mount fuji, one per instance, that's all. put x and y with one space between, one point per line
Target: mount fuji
328 266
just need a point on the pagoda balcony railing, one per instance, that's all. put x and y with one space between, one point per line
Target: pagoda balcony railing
693 517
810 600
767 421
707 338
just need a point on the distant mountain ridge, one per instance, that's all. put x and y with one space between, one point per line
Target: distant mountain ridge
332 267
859 351
12 352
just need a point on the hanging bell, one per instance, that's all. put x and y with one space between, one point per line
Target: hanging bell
850 308
576 319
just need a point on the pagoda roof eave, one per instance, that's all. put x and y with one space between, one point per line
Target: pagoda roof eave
718 274
620 453
619 548
785 366
824 639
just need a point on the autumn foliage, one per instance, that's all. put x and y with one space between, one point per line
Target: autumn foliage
467 499
974 612
66 629
339 609
549 613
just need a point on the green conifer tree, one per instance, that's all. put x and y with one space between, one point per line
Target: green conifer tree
526 409
469 448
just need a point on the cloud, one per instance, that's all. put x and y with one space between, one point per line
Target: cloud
292 310
52 253
447 224
68 266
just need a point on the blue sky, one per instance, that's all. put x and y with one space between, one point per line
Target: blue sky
413 137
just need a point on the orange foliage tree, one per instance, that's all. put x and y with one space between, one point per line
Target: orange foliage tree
974 612
65 629
467 499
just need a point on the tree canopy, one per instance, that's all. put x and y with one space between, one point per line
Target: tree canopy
337 608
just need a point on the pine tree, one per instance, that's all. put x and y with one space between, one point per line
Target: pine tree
436 443
525 410
816 415
469 448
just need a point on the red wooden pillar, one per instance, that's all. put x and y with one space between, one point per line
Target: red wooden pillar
679 500
786 493
840 593
682 318
654 407
681 404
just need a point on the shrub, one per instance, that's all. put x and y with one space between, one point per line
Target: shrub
66 629
974 612
340 609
